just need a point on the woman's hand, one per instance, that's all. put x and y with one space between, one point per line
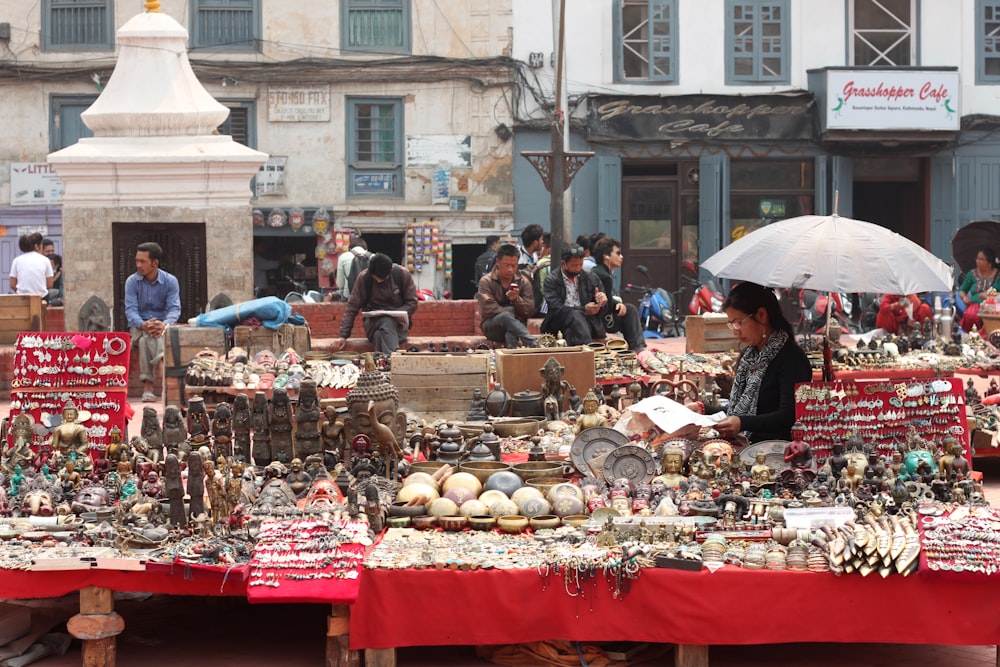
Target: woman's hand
964 297
729 427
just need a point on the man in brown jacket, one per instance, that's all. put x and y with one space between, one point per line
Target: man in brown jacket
382 287
506 301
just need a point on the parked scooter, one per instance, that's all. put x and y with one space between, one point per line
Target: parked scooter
657 309
707 297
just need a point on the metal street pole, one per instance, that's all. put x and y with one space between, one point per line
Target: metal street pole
557 217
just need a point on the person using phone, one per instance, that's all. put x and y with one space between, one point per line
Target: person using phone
506 301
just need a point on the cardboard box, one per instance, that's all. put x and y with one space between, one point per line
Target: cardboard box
519 370
440 386
709 333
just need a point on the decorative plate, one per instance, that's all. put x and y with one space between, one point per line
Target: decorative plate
594 442
633 462
774 450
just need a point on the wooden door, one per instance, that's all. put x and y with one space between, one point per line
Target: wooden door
651 232
183 246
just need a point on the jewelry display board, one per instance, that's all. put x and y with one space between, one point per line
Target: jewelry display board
881 412
52 369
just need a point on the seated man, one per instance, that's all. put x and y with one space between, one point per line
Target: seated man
575 300
899 314
382 286
506 301
622 317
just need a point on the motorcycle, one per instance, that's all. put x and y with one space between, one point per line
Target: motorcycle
657 309
707 297
813 307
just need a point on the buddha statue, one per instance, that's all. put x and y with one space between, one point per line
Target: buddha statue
760 472
673 463
373 410
297 479
553 385
69 440
590 418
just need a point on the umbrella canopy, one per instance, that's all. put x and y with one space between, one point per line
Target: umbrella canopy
969 240
832 254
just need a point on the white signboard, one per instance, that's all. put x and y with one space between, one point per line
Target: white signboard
887 100
34 184
305 103
430 150
271 176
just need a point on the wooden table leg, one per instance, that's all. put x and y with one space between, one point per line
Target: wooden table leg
97 625
380 657
338 652
690 655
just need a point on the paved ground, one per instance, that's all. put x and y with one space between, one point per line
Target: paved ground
165 631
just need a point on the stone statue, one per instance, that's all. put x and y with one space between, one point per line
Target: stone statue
373 410
174 488
477 410
971 395
575 402
196 485
69 440
297 479
307 436
175 433
19 453
333 443
554 385
198 424
279 423
222 430
152 433
241 428
95 315
259 420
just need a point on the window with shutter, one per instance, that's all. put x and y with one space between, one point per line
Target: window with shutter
757 41
376 26
646 40
225 25
78 25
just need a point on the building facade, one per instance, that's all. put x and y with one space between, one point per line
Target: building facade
709 119
378 115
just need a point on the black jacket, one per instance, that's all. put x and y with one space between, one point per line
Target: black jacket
586 283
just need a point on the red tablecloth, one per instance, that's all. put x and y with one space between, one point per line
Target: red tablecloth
445 607
16 584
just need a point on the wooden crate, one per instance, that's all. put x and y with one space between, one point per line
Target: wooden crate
20 312
518 370
439 386
255 339
190 341
709 333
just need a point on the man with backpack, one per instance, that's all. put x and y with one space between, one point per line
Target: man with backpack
383 286
351 264
506 301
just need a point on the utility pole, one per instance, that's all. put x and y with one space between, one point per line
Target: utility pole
558 166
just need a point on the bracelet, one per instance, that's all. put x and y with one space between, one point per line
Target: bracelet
115 346
701 406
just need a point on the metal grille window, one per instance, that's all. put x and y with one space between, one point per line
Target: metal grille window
883 33
646 48
757 41
78 25
375 147
988 42
228 25
379 26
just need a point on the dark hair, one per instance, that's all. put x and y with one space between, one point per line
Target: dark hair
153 249
57 259
47 241
491 239
380 265
572 250
24 243
358 241
603 248
594 238
991 255
507 250
583 240
530 234
750 297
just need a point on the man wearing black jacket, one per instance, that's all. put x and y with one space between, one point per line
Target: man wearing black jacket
621 317
575 299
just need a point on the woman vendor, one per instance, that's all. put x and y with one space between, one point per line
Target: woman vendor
983 277
762 401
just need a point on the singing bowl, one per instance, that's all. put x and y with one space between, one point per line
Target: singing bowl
521 426
483 469
429 467
529 470
455 522
482 522
512 523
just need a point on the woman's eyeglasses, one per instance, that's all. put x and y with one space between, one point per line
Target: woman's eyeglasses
736 326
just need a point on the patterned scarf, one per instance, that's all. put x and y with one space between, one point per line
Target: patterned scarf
750 373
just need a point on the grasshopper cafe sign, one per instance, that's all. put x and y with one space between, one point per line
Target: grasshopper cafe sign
892 100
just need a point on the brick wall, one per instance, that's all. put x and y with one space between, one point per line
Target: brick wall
433 318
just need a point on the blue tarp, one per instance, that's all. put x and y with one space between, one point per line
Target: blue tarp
270 310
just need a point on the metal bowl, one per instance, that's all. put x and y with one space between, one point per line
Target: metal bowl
530 470
429 467
483 469
518 427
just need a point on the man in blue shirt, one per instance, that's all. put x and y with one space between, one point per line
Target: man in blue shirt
152 302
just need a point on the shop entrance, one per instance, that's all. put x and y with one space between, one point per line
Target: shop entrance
890 192
659 223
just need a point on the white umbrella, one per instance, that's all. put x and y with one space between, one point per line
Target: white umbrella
832 254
